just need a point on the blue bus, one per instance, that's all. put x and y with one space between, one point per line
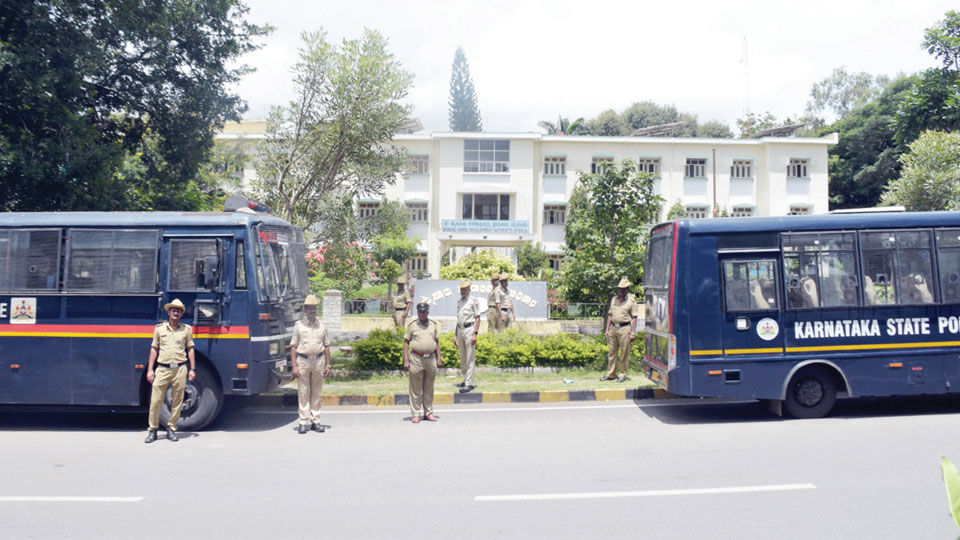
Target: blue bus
801 310
81 292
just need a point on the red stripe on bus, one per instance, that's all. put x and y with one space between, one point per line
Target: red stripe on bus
673 274
116 328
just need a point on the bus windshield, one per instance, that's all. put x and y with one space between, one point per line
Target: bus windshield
284 265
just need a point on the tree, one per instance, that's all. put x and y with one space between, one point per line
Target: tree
943 41
479 266
396 249
714 129
464 113
932 103
531 259
752 123
677 211
606 231
930 179
608 124
332 141
563 126
842 92
104 102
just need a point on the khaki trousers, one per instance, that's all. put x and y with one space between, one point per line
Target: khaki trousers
493 320
423 373
398 318
163 378
505 324
619 358
309 387
468 354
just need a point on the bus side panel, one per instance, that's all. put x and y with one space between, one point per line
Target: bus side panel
44 376
698 290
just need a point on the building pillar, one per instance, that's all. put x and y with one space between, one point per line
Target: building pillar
332 309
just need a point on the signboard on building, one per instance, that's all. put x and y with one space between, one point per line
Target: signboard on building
485 226
529 297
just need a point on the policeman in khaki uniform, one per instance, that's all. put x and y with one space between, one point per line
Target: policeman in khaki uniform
493 305
620 332
507 314
468 326
421 358
401 304
310 356
172 346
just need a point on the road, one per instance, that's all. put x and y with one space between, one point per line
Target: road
663 469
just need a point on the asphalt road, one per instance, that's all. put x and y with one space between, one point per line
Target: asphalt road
579 470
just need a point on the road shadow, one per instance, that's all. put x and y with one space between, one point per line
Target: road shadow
719 411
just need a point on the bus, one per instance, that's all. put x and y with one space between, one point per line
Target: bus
801 310
81 293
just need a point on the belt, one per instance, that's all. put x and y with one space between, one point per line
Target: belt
467 325
301 355
621 324
400 309
172 366
424 356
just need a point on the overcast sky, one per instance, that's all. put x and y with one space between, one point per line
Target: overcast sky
535 60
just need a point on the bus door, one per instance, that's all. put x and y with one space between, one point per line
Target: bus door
752 326
195 273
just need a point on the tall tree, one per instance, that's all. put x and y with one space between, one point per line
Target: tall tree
333 139
113 105
605 231
842 92
931 174
464 113
943 40
563 126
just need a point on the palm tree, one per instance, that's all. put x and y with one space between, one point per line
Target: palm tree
563 126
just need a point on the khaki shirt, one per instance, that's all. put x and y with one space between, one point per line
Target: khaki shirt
506 302
494 298
467 311
402 300
625 311
310 339
423 337
172 342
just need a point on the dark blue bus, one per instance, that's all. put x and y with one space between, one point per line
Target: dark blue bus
80 294
800 310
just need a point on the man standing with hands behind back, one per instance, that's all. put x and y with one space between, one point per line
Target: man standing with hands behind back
620 332
468 326
171 347
310 355
421 358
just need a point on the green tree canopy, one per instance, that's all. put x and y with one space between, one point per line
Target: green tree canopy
563 126
479 266
464 113
644 114
333 139
943 40
842 92
606 231
931 174
531 259
113 105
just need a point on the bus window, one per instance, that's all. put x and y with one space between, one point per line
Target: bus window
29 260
948 257
112 260
187 261
897 267
750 285
241 278
820 270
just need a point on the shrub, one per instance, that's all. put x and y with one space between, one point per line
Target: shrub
383 349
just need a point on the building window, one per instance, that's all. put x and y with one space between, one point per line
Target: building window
741 168
486 155
554 215
556 261
742 211
494 206
797 168
799 210
419 164
418 212
555 166
697 211
367 209
650 165
599 165
417 263
695 168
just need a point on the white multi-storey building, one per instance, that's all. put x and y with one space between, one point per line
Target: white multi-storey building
471 191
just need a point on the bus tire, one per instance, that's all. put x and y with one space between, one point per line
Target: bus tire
202 401
811 393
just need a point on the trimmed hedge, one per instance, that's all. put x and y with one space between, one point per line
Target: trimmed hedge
383 350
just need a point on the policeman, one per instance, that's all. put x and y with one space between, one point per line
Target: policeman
621 326
507 313
468 325
310 356
421 358
401 304
493 305
172 346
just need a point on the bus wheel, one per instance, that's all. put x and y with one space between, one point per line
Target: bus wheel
811 393
202 401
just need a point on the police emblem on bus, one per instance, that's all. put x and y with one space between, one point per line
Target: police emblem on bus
768 329
23 311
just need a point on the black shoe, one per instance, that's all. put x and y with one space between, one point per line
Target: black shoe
303 429
466 389
151 436
459 385
622 379
172 435
318 428
608 378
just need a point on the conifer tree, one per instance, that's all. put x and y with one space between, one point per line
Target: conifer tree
464 113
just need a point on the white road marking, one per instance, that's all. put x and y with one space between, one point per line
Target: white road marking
69 499
652 493
532 406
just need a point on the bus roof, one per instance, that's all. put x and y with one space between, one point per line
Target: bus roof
134 219
821 222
